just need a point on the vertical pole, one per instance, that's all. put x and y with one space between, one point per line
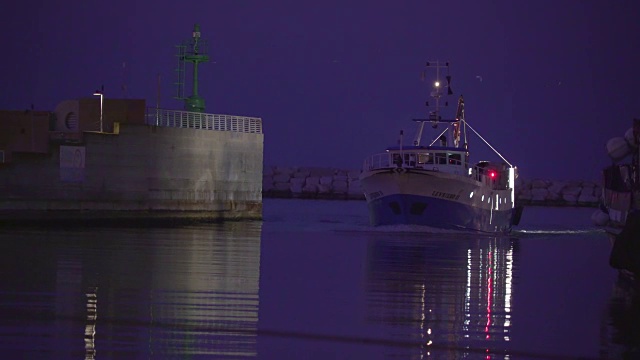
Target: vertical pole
101 112
195 78
158 102
101 94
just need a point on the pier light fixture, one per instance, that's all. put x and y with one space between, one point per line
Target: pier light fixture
99 93
437 83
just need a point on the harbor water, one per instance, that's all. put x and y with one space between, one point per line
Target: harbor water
314 280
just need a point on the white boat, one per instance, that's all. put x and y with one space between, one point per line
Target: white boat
435 185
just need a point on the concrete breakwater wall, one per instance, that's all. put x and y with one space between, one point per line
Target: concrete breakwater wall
142 172
343 184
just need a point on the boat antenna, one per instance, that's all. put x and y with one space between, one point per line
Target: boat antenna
436 93
489 145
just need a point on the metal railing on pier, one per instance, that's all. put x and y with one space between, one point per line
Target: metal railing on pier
194 120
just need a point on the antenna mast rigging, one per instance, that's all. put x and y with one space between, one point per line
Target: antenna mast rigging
436 93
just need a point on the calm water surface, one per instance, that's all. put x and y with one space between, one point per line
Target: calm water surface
315 281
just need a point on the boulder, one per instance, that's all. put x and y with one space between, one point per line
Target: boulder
283 170
310 189
297 182
296 187
618 148
570 198
279 186
586 198
525 195
319 171
312 180
630 139
267 183
539 194
539 184
354 174
326 180
324 189
600 218
281 178
572 190
340 186
301 174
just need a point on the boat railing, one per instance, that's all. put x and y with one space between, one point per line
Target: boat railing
377 161
490 176
194 120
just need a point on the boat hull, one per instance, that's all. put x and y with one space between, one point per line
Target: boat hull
437 200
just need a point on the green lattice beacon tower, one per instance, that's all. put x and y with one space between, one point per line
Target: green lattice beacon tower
194 51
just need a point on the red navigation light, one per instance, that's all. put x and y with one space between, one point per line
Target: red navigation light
492 174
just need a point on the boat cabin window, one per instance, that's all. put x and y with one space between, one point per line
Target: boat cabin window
425 158
416 159
410 159
455 159
397 159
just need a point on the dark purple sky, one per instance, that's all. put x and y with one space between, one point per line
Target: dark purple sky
334 82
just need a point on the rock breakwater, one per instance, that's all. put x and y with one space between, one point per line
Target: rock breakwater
343 184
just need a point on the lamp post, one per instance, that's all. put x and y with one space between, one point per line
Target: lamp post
99 93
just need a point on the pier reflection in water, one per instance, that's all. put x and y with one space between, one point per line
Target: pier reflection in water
166 292
315 281
452 295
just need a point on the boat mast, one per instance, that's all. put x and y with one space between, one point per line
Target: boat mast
456 124
436 93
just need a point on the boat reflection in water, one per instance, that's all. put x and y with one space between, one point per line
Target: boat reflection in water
451 294
169 292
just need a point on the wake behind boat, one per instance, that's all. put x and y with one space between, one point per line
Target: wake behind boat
434 185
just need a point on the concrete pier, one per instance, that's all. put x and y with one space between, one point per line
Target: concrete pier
170 165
